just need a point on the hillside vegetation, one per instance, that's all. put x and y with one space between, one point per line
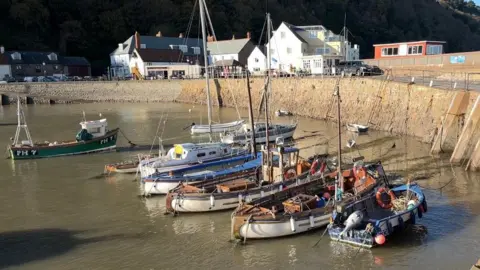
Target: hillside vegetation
93 28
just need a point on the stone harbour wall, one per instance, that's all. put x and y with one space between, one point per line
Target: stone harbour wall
389 106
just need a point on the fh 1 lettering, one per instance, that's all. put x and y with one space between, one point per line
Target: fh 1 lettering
106 140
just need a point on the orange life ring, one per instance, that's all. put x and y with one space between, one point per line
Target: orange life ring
379 198
290 173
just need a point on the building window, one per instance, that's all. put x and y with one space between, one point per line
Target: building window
415 49
38 69
321 51
434 49
317 63
56 67
143 46
306 64
289 50
312 34
256 69
389 51
183 48
16 56
256 60
18 67
196 50
282 35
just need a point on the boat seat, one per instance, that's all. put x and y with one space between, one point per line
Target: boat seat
300 203
236 186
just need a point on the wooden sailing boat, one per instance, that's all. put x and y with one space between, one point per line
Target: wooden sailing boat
93 137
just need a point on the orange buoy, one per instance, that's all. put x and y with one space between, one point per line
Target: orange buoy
379 198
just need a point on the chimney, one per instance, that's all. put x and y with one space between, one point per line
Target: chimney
180 36
233 37
137 40
2 49
159 34
248 35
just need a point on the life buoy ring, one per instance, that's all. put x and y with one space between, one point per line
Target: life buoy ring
313 168
379 198
290 173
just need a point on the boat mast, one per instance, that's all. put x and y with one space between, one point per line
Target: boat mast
250 115
21 125
340 178
269 87
205 58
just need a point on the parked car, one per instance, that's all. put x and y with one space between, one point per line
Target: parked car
358 68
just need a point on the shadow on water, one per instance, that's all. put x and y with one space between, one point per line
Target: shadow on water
7 124
143 147
20 247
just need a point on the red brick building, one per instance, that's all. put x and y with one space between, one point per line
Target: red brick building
408 49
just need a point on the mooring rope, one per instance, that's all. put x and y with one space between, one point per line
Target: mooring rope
130 142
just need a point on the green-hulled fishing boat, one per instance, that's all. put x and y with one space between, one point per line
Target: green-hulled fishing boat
93 137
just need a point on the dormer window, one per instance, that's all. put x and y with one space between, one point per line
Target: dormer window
143 46
196 50
16 56
174 47
52 57
183 48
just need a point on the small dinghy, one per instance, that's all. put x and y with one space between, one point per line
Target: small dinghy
369 221
300 208
127 166
279 113
357 128
286 165
217 128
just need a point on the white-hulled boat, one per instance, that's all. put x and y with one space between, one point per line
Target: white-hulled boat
300 208
182 156
243 136
357 128
217 128
207 196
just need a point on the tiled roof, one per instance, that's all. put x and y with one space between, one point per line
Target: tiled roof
160 55
233 46
75 61
294 30
30 57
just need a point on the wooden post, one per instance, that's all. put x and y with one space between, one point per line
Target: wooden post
467 133
458 106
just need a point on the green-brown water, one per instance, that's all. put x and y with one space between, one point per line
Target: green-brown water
60 213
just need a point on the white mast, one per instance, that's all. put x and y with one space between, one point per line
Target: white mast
21 125
205 57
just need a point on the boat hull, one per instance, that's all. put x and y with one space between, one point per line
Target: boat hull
100 144
217 128
259 138
274 229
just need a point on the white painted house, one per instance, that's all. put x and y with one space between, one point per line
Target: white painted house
4 65
257 61
309 48
121 56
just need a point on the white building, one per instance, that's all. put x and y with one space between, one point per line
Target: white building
232 49
120 58
257 61
4 65
313 49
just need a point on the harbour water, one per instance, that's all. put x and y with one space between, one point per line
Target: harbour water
61 213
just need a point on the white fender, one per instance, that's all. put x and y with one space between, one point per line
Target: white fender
280 187
292 224
312 223
262 193
240 197
212 201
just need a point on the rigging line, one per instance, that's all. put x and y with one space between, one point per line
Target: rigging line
156 133
189 27
263 29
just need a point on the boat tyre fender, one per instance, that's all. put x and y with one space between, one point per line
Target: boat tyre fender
290 173
420 211
379 198
424 204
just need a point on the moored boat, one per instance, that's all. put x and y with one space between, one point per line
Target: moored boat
369 221
127 166
186 155
300 208
93 137
357 128
287 169
216 128
243 136
279 113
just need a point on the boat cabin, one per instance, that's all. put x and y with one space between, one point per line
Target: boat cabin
195 152
97 128
280 164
